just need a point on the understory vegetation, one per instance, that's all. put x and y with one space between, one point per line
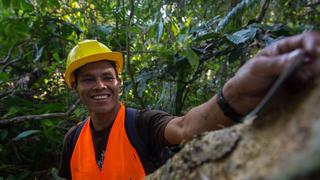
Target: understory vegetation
178 53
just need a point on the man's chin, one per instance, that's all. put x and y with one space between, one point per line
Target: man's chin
101 110
104 107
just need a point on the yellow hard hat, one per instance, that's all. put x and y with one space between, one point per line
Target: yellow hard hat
88 51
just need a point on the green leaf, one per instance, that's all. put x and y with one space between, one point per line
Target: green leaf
4 77
11 111
19 102
193 58
54 173
26 5
211 35
53 3
51 107
160 30
6 4
15 4
174 28
106 30
47 123
25 134
11 177
234 13
4 134
24 174
242 36
38 54
56 56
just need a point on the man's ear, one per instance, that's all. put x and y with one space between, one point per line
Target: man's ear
74 85
119 86
119 82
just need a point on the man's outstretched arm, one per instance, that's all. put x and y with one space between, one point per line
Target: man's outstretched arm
246 89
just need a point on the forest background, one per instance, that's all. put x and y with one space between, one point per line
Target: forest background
177 55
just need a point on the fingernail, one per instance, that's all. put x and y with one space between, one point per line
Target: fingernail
297 54
306 60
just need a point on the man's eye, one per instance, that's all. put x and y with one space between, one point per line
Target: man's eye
108 78
87 80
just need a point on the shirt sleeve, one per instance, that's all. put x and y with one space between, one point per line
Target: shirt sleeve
64 169
151 126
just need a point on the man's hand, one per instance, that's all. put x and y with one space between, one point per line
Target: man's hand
246 89
250 84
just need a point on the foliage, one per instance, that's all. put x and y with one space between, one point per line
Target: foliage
178 53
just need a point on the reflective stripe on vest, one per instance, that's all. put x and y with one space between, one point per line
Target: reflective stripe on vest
121 160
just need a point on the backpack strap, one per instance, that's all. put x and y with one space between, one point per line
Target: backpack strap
131 127
150 161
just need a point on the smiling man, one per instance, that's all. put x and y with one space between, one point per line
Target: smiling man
116 142
98 87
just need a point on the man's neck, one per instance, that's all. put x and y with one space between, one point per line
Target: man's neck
102 121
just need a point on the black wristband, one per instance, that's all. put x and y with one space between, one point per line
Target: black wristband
227 109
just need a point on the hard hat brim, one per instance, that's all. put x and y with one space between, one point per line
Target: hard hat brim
111 56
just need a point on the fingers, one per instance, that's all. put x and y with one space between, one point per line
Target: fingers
309 41
308 72
273 66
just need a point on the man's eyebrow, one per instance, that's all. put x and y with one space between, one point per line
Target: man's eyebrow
86 75
107 73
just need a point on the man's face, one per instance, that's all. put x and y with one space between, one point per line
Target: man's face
98 87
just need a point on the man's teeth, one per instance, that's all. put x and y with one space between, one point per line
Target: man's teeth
101 97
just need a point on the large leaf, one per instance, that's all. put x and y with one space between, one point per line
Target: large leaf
25 134
234 12
104 29
3 134
5 4
38 53
160 29
54 173
26 5
193 58
11 111
242 36
174 28
208 36
4 77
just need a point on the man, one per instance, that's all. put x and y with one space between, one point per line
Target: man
105 146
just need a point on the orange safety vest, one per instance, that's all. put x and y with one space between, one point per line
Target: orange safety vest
121 161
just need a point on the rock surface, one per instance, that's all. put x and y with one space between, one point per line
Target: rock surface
281 143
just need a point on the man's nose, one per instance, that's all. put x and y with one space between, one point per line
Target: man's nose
100 84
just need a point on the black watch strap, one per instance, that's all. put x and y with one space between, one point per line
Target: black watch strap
227 109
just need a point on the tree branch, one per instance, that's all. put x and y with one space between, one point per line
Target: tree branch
128 65
5 60
18 119
141 52
313 4
261 14
8 63
263 10
5 94
117 31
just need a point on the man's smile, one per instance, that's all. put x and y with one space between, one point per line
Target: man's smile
101 97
